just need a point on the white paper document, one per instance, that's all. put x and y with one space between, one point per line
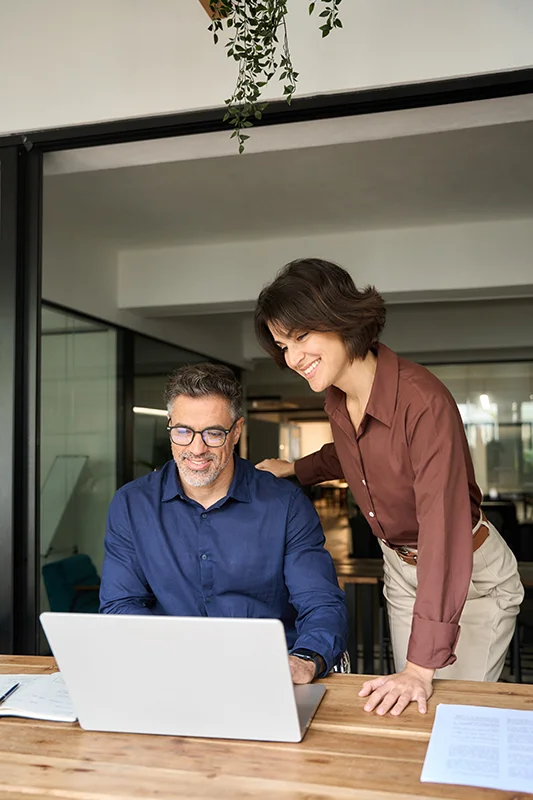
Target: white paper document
38 697
478 746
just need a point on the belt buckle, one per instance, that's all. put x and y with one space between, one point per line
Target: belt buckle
404 551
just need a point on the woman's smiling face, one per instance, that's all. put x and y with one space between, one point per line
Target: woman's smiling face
319 357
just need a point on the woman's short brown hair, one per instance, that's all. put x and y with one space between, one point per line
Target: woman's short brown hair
315 295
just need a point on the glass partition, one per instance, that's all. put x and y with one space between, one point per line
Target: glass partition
496 404
78 456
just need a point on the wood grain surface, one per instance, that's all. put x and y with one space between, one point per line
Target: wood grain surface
346 753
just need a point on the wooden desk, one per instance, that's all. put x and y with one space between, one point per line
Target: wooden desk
358 570
362 570
346 754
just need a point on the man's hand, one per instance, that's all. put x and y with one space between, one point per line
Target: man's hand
394 692
278 467
302 671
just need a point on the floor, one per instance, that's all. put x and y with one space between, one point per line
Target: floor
338 542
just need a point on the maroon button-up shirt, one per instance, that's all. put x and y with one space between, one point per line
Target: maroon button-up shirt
410 471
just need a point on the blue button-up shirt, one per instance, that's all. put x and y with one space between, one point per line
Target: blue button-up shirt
258 552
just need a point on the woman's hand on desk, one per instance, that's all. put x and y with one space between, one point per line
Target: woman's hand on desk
278 467
394 692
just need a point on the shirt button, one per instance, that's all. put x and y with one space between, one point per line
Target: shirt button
207 599
363 482
204 516
371 514
204 556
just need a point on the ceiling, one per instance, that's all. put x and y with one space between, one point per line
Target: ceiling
453 176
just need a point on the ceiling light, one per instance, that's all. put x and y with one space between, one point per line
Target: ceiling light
484 399
153 412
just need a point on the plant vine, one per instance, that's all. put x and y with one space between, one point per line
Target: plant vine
259 42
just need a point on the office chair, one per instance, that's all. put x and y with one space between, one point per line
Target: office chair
343 666
72 584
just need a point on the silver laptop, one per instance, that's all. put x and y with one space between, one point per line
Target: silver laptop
182 676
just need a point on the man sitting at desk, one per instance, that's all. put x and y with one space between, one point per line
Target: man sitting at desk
210 535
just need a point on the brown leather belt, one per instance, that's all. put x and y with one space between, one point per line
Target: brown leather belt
481 535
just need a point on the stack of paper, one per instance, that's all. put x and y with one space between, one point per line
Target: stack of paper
478 746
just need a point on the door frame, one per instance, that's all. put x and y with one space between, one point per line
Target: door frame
21 178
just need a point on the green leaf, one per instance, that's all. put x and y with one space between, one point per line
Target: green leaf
258 44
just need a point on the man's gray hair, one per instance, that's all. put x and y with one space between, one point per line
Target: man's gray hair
205 380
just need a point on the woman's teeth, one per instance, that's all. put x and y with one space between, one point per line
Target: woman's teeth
311 367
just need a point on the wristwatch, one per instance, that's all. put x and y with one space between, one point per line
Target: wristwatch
311 655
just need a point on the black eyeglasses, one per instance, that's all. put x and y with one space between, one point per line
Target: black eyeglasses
212 437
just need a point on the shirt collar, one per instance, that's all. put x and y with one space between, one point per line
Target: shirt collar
239 488
382 401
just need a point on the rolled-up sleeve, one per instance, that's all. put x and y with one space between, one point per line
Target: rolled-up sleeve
445 550
124 588
310 577
324 465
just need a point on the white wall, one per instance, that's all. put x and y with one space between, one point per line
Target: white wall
477 257
78 62
80 273
473 260
427 328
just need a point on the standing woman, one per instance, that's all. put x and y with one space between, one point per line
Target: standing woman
451 583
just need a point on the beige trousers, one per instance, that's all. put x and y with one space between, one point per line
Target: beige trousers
488 619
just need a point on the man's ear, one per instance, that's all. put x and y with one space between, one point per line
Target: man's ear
238 429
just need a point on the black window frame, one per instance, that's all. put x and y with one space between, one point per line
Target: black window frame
21 164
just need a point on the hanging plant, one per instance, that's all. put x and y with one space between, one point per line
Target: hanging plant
258 41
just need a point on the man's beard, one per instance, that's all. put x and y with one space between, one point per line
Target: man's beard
205 477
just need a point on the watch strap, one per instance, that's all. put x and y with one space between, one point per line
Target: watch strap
310 655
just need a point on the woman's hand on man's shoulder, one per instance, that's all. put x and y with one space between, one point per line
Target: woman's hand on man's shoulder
277 466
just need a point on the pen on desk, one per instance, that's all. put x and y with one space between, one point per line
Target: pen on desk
9 692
